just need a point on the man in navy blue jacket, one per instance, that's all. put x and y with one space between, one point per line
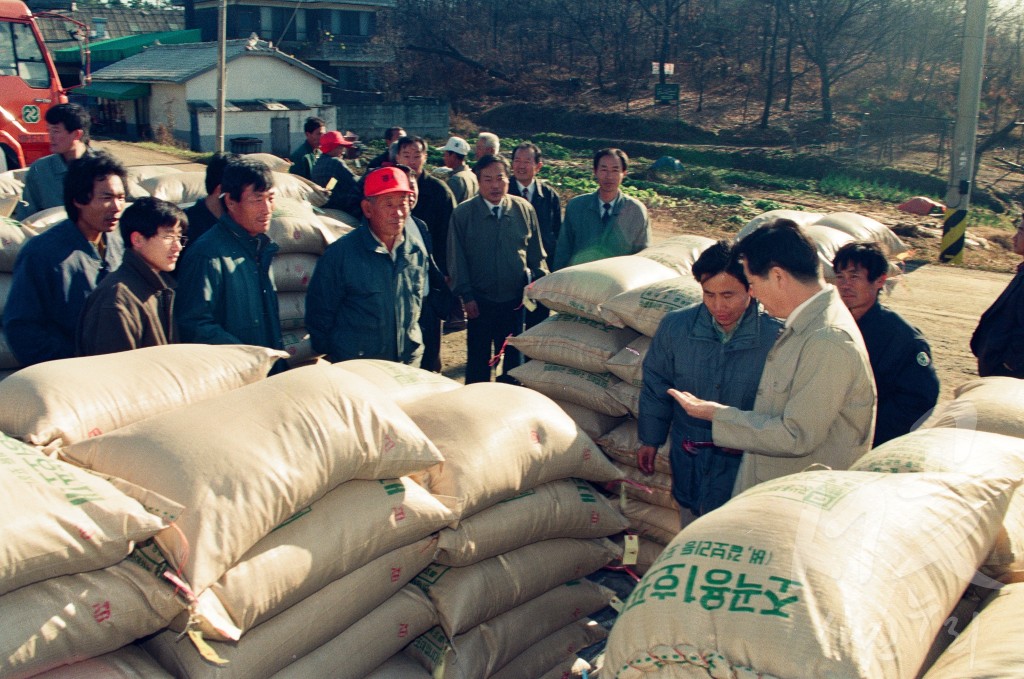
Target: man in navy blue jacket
55 271
716 350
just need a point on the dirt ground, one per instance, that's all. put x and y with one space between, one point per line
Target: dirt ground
944 301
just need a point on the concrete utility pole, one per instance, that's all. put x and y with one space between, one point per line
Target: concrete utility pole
961 172
222 75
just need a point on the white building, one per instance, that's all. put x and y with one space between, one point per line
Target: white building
269 94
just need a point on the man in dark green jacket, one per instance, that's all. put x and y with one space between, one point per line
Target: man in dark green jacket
225 292
305 154
367 290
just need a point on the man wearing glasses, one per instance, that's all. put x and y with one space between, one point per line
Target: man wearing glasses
132 307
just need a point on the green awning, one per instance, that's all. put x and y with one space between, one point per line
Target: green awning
116 49
112 90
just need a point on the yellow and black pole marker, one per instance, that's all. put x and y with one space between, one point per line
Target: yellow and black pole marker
961 172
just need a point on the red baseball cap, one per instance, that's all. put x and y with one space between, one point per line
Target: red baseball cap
386 180
332 140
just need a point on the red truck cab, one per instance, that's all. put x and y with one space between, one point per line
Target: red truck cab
29 86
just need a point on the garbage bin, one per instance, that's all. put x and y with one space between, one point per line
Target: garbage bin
246 144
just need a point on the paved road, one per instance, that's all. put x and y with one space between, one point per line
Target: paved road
945 303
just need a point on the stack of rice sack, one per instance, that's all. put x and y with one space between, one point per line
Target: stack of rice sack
12 234
981 431
823 573
527 528
832 231
300 232
74 583
12 183
294 510
590 358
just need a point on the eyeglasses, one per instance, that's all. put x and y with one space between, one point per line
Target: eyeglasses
171 240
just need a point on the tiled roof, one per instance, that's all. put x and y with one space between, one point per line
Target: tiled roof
121 22
179 63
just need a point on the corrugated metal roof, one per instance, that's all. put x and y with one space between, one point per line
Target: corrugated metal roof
121 22
179 63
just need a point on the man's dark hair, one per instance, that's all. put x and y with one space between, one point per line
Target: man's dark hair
389 134
618 153
215 169
779 243
410 139
313 124
489 160
84 173
72 117
867 254
718 259
146 215
241 172
528 146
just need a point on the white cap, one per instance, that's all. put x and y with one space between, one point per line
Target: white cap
456 145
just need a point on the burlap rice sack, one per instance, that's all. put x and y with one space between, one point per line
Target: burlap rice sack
560 382
292 270
678 252
310 551
568 508
401 383
370 642
654 522
10 193
864 228
13 235
628 364
56 519
837 574
582 289
49 623
299 346
498 440
127 662
990 645
301 629
993 404
643 308
76 398
553 650
798 216
573 341
593 423
491 645
621 444
967 452
291 309
304 432
466 597
176 187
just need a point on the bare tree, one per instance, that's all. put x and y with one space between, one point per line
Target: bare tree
839 37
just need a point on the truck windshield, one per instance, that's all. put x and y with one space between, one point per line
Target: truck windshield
20 55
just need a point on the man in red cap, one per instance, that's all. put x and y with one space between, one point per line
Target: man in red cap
366 293
331 172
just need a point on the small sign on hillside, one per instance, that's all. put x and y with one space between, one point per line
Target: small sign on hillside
666 94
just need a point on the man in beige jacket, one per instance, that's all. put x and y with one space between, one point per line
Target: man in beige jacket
816 399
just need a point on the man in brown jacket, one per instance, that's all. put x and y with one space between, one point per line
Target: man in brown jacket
816 399
132 307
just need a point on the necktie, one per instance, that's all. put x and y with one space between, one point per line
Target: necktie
497 212
607 213
526 194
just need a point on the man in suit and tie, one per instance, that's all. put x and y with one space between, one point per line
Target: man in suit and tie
526 163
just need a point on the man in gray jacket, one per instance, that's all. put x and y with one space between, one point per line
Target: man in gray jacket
494 251
816 399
